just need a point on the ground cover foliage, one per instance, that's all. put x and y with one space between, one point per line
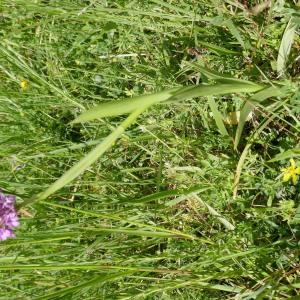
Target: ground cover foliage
185 199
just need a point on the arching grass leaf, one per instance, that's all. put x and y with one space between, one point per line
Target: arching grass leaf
285 46
114 108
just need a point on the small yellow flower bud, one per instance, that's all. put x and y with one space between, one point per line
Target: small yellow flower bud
24 84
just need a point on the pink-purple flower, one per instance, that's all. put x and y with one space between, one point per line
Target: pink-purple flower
8 216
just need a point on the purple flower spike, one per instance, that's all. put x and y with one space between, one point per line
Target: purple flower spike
8 216
11 220
6 233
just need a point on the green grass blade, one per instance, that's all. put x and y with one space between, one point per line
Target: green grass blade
114 108
214 213
87 284
88 266
234 31
223 87
144 233
120 107
217 49
286 154
90 158
167 194
271 91
220 21
285 46
217 116
212 74
246 110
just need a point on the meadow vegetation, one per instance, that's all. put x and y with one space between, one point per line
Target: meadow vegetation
153 147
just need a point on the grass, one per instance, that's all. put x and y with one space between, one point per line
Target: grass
178 198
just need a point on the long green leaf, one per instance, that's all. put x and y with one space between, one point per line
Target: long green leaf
90 158
90 266
285 46
167 194
234 31
87 284
217 116
220 21
286 154
213 212
217 49
271 91
134 231
114 108
212 74
223 87
246 110
124 106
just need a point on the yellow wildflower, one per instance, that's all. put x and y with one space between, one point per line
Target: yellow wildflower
291 172
24 84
